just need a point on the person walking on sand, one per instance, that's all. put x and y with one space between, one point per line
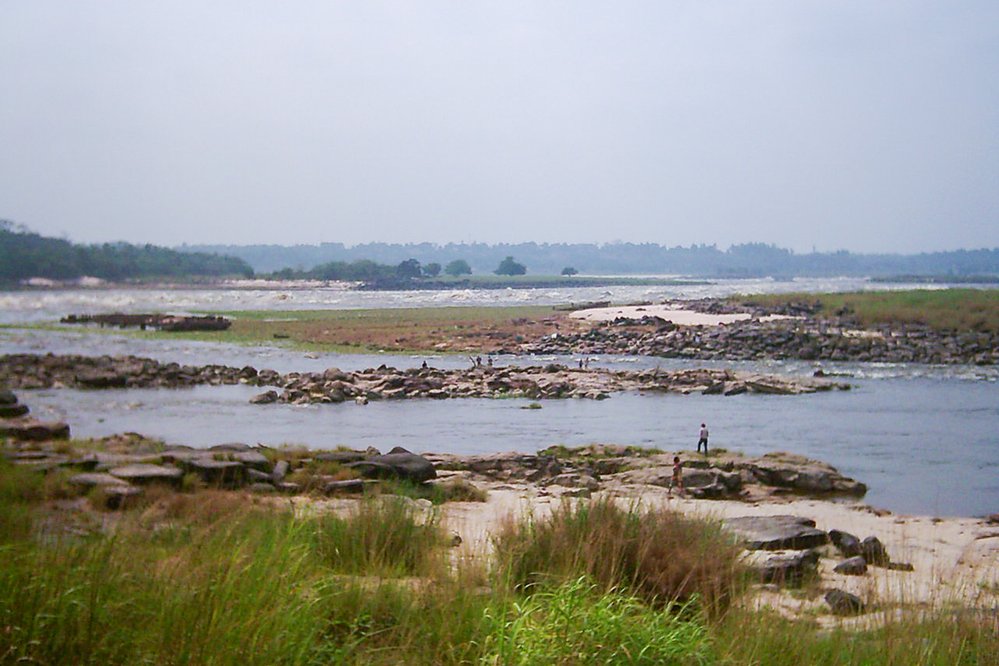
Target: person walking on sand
703 439
677 479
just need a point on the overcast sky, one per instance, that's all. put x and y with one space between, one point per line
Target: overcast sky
869 125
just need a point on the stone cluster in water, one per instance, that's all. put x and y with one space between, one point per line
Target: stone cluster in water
335 385
804 339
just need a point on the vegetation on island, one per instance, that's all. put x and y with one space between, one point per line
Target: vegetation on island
25 255
209 576
940 309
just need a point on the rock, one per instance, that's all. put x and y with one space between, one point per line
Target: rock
34 431
97 379
845 543
874 551
12 411
345 486
230 447
844 603
342 457
574 480
7 397
900 566
787 568
264 398
584 493
142 474
91 479
222 473
261 487
855 566
398 463
117 496
254 460
256 476
289 487
777 532
280 471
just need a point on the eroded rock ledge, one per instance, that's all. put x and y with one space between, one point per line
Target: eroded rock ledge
334 385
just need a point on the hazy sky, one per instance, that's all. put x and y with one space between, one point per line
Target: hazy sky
869 125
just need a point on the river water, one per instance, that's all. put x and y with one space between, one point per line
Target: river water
924 438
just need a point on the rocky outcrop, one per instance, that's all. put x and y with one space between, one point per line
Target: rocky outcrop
385 383
163 322
397 463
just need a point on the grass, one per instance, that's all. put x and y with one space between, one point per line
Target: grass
661 556
215 577
940 309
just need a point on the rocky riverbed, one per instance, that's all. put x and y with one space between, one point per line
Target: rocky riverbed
32 371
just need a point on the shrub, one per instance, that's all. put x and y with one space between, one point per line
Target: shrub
661 556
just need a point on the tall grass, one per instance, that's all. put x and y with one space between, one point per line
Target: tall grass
662 556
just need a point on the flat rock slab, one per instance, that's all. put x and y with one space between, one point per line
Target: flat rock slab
777 532
92 479
145 473
35 431
253 459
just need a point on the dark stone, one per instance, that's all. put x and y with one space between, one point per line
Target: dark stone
901 566
777 532
398 463
7 397
844 603
261 487
788 568
845 543
342 457
855 566
874 551
230 447
264 398
97 379
280 471
12 411
35 431
256 476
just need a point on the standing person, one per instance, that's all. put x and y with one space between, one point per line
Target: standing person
703 439
677 479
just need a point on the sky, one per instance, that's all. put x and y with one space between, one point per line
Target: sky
857 125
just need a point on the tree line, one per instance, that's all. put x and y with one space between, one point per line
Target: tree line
24 255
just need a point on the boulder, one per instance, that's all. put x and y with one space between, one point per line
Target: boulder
280 471
92 479
845 543
397 463
7 397
777 532
264 398
844 603
116 496
874 551
12 411
342 457
855 566
261 487
34 431
253 459
142 474
785 567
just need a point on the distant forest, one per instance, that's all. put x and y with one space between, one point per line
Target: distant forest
748 260
24 254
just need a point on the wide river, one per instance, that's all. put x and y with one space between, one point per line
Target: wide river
924 438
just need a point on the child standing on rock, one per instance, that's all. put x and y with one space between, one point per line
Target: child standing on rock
677 479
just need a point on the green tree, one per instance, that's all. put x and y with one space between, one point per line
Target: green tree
408 269
569 270
433 269
458 267
510 267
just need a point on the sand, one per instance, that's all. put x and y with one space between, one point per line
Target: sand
667 312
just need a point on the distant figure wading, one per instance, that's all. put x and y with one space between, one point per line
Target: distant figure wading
703 439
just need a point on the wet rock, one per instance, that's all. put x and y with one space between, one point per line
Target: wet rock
874 551
264 398
844 603
142 474
855 566
784 567
777 532
845 543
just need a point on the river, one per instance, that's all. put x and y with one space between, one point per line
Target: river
924 438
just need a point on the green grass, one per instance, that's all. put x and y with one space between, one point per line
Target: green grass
218 577
941 309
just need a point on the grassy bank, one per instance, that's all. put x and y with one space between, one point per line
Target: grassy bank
941 309
213 577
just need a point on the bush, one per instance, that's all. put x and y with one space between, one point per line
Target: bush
661 556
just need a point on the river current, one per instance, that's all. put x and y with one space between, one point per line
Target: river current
924 438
